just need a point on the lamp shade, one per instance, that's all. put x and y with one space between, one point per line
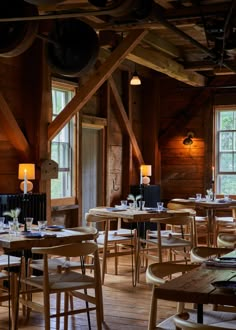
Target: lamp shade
146 170
135 80
26 169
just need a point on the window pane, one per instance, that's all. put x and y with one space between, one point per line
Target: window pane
226 141
226 162
227 184
62 147
226 120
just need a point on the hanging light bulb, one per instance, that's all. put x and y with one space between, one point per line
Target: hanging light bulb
135 80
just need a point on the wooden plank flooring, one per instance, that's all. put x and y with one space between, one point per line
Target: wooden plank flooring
125 307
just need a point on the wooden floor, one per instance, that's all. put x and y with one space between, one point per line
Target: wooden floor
125 307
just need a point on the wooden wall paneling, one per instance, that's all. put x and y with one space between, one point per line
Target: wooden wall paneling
183 166
115 155
104 111
95 82
150 119
126 145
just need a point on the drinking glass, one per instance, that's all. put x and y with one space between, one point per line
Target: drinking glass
13 227
42 224
226 197
198 197
143 204
28 223
160 206
2 219
123 203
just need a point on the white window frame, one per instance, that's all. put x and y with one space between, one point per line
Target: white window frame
66 136
221 175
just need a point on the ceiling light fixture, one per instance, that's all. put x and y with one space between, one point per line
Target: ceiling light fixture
188 140
135 80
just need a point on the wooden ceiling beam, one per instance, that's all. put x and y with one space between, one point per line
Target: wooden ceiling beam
159 62
161 44
124 120
95 82
12 129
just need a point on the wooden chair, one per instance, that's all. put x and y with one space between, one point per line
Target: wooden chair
182 323
226 240
66 281
113 243
9 267
200 222
199 254
174 244
56 261
157 274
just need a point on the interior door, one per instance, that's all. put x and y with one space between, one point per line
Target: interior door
92 164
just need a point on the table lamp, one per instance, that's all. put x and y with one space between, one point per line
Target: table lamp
145 173
25 172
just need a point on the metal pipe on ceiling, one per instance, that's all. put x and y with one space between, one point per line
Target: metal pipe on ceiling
215 57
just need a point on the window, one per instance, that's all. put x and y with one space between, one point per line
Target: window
225 123
62 146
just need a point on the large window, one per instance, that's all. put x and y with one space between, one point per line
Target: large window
62 146
225 155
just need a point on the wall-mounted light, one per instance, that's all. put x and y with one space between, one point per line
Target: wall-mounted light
25 172
145 173
135 80
188 140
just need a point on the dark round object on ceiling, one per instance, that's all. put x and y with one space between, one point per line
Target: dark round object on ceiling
72 48
44 2
16 37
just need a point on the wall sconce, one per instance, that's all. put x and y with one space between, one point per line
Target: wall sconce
25 172
145 173
135 80
188 140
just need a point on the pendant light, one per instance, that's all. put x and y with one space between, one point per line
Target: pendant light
135 80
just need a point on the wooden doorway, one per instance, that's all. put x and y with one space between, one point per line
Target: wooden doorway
92 168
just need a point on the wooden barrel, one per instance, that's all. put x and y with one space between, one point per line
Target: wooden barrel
16 37
72 48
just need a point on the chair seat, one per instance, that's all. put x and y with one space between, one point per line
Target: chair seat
171 242
54 263
209 317
69 280
6 260
111 238
164 233
224 220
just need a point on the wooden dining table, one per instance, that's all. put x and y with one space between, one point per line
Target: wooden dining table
134 217
196 287
20 243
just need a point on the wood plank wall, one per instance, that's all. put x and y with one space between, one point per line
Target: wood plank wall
186 170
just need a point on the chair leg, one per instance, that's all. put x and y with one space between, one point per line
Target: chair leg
47 311
99 308
116 259
13 295
153 311
66 304
58 309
